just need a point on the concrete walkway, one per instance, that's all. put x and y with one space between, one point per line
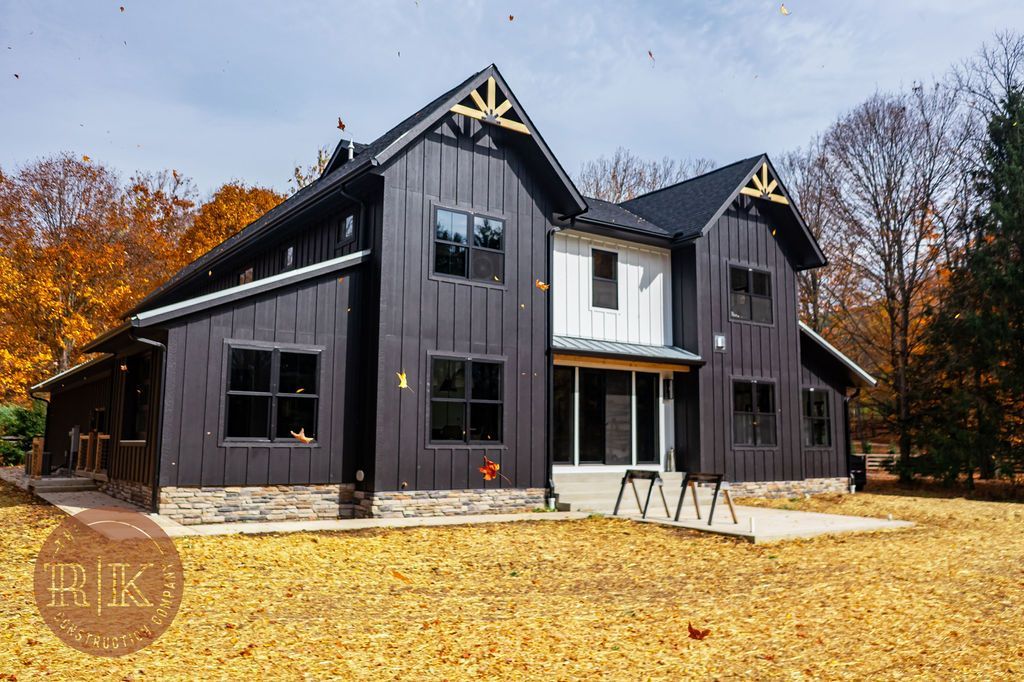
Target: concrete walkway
756 524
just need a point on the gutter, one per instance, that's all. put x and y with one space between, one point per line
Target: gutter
158 437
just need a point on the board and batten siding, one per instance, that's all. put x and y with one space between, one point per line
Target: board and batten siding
465 165
742 236
644 315
818 370
323 312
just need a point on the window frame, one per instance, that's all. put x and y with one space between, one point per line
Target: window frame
594 279
466 400
276 349
749 271
247 276
285 266
340 239
471 217
754 381
148 381
823 390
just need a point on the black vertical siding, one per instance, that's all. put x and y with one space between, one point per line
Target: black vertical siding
323 312
73 406
743 237
818 370
461 164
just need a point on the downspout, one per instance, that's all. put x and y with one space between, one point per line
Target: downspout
158 440
549 413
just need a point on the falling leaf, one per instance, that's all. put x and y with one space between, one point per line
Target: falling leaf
651 55
341 124
86 158
489 469
403 382
541 285
695 633
301 436
122 9
399 576
300 390
784 9
511 18
17 76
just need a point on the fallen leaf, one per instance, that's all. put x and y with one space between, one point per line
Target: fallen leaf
695 633
399 576
301 436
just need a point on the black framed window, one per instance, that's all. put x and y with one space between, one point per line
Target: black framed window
245 276
753 413
136 399
606 279
817 421
346 229
564 408
750 295
466 404
287 258
468 245
270 393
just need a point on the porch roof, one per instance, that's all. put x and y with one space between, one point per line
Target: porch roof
617 349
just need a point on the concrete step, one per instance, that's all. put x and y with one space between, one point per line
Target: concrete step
596 492
61 485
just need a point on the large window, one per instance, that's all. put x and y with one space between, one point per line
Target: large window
271 392
750 295
817 423
753 413
606 279
469 246
564 435
136 399
466 401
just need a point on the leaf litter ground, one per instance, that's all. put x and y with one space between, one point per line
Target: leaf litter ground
593 599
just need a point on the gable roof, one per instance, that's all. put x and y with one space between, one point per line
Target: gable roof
687 208
603 212
340 170
857 374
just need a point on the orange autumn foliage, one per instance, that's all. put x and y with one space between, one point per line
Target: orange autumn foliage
230 209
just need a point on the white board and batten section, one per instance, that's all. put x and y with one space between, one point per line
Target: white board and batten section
644 314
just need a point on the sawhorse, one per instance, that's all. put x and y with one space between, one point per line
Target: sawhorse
690 480
630 477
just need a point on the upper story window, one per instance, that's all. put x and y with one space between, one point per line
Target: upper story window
817 423
347 229
136 399
750 295
466 401
271 393
479 255
245 276
287 258
606 279
753 413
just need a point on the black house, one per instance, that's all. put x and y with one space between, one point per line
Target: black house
443 295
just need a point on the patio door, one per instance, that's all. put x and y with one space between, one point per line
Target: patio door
606 417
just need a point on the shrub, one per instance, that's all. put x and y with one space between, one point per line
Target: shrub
18 426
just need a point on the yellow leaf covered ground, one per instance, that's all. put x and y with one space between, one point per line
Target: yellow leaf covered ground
600 598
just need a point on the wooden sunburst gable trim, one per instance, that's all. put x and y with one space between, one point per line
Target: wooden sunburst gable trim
488 110
762 188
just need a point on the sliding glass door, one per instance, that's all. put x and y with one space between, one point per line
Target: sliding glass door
648 424
606 419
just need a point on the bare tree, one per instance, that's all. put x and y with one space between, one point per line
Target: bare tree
985 80
896 164
625 175
303 176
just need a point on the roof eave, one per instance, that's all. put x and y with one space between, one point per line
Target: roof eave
856 370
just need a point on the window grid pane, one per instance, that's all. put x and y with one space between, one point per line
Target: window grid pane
466 401
271 393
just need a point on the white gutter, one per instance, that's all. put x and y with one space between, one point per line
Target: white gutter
857 369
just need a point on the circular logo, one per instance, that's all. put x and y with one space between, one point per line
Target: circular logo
108 581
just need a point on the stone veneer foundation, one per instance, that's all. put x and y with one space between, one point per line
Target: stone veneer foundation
136 493
808 486
447 502
189 506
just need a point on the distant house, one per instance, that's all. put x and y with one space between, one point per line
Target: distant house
668 339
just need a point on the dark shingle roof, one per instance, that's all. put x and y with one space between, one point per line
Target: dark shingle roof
684 209
613 214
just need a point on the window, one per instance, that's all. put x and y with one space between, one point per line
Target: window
480 256
606 279
271 392
136 399
750 295
246 276
287 258
753 413
817 423
564 436
466 401
347 229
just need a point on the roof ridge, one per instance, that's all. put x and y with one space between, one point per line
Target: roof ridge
695 177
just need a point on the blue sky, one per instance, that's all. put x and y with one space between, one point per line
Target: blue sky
245 90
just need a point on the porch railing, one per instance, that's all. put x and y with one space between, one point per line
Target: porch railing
93 452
